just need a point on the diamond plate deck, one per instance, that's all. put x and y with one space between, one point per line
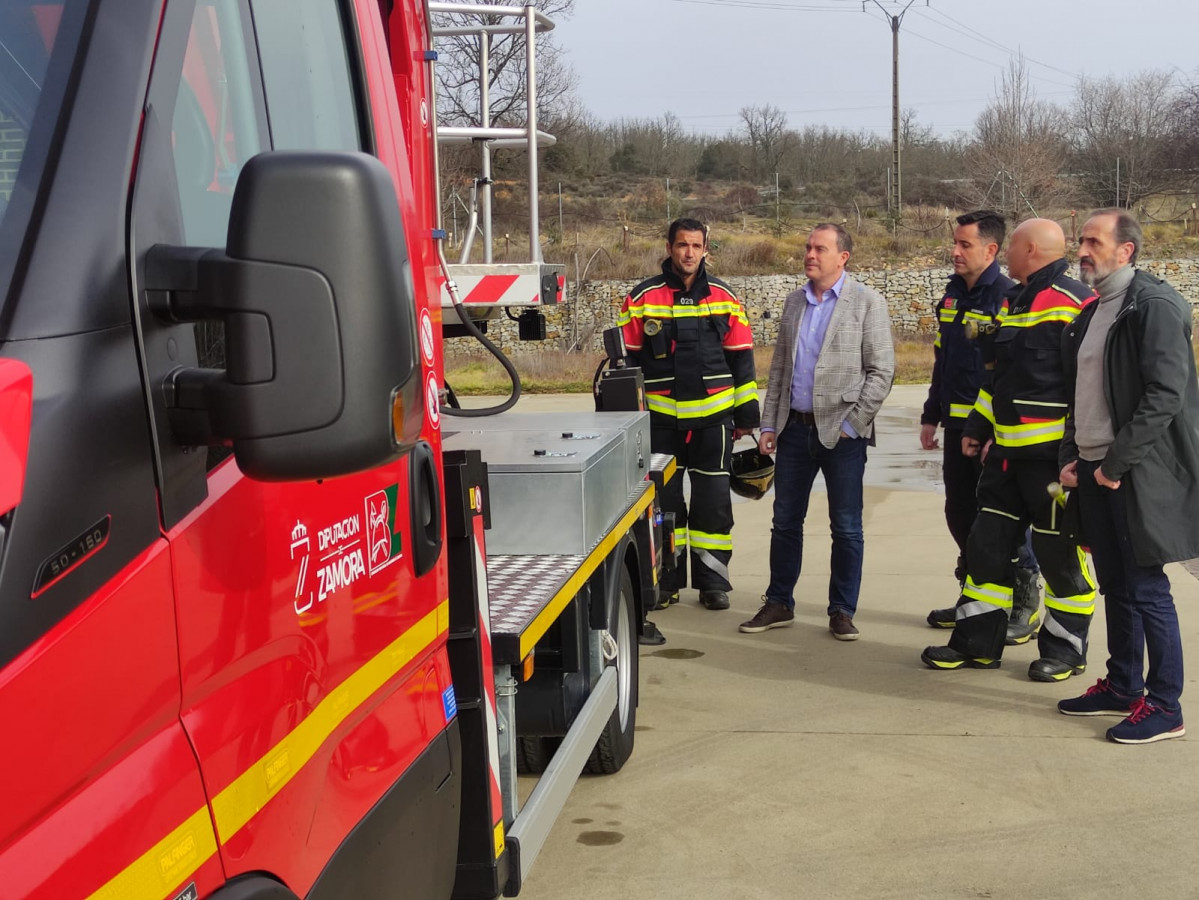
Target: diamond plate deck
523 589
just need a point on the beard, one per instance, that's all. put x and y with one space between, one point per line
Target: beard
1090 276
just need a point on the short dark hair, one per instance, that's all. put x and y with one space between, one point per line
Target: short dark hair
844 241
1128 229
991 225
685 225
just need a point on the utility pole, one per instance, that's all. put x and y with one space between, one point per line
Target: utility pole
896 193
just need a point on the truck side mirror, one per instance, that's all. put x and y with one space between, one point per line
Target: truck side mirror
16 410
316 294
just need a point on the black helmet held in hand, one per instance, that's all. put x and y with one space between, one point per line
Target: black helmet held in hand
751 474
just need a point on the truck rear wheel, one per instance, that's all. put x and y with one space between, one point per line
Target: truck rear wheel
533 754
615 744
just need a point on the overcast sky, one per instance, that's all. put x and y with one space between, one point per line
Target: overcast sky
826 62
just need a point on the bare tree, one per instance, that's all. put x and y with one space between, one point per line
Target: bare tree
458 70
1019 149
1123 134
1185 146
769 138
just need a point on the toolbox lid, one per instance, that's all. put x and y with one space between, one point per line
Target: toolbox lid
537 451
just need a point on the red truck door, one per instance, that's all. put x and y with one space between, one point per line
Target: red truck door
99 791
312 616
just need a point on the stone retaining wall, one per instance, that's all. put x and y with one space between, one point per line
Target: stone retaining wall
911 295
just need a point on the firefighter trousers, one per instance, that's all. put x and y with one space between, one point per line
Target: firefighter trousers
704 526
960 474
1012 494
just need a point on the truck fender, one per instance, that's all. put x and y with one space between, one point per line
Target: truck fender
253 887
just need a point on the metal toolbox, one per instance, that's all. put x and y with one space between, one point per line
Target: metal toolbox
558 481
634 426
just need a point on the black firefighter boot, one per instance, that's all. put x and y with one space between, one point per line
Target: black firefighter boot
944 618
1025 620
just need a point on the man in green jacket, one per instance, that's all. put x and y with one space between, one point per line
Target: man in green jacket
1131 451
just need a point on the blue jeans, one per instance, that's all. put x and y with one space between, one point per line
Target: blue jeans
799 455
1139 606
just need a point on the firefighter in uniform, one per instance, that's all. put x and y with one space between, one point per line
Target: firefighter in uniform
689 334
971 303
1017 424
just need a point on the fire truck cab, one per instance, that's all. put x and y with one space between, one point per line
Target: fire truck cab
247 645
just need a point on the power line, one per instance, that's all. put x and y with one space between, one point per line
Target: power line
1003 47
895 21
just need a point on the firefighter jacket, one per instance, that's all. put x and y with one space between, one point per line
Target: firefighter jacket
957 357
1023 404
695 350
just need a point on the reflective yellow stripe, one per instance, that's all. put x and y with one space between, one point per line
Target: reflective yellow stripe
705 541
937 340
999 512
551 611
995 594
1066 314
624 317
959 410
691 409
984 407
1046 404
699 311
745 393
1030 434
1078 301
973 316
1083 604
234 806
167 864
947 315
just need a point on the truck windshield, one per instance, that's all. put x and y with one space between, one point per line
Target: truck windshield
38 41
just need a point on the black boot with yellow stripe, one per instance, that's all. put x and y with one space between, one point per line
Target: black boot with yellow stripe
1025 620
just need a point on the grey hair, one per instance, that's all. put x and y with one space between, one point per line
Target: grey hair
1128 229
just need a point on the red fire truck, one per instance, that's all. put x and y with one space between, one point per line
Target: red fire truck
255 639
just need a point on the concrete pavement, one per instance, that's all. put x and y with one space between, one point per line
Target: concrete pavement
788 764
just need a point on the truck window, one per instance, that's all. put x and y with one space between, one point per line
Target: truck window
300 48
306 75
37 53
215 125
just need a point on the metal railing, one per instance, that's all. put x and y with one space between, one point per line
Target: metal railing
487 136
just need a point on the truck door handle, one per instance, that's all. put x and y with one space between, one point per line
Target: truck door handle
424 498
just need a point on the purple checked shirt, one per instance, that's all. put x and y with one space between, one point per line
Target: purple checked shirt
813 326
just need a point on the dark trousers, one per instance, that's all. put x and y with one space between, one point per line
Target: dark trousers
1137 601
1012 496
705 525
799 457
961 474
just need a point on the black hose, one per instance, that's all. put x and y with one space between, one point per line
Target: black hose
495 351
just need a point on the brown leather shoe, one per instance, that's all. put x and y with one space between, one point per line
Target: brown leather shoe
771 615
842 627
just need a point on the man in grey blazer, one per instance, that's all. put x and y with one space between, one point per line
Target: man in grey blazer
831 371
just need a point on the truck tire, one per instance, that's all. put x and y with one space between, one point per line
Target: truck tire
533 754
615 744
